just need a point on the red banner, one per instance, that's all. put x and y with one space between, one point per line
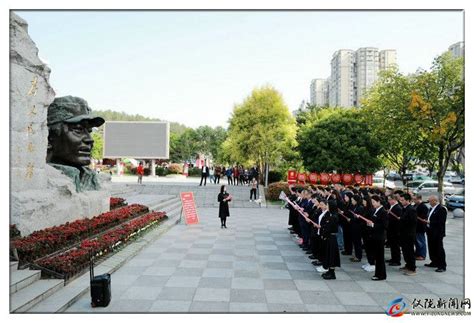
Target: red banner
358 178
324 178
369 179
336 178
347 179
301 178
189 208
313 178
291 177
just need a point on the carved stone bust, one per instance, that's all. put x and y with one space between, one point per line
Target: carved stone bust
70 123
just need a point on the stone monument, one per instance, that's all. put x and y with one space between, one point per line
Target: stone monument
41 195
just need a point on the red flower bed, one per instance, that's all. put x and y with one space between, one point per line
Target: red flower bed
74 260
44 242
116 202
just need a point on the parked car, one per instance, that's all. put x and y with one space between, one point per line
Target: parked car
414 184
393 177
428 188
421 177
378 181
455 201
456 180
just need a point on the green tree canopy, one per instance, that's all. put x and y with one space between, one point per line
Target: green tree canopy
385 111
339 142
261 129
437 105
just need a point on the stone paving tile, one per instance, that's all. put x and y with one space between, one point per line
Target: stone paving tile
220 264
283 296
217 272
286 308
364 309
247 296
312 285
177 293
246 283
183 282
185 263
325 308
279 284
159 271
217 307
355 298
215 282
148 280
247 307
274 265
129 306
141 293
256 266
247 273
162 306
212 295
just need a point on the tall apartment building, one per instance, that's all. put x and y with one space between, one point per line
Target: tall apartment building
319 92
366 69
387 58
341 88
457 49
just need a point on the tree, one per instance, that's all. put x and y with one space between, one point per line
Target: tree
97 149
261 129
339 142
386 113
437 105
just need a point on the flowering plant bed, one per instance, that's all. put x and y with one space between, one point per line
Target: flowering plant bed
116 202
74 261
44 242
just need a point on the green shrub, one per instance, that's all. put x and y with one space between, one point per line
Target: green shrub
161 171
274 176
194 172
175 169
274 189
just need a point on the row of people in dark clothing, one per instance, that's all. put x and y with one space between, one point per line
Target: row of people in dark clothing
370 220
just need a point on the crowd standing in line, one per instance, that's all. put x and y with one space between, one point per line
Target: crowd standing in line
334 220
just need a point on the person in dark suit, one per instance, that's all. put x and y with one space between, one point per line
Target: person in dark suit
223 198
393 230
422 214
436 231
204 173
356 227
377 227
329 230
408 234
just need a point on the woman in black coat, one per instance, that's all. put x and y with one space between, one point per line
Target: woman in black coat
223 198
328 232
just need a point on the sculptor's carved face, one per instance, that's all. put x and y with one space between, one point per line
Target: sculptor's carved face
73 146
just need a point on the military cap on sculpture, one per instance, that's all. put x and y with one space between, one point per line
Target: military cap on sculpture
70 123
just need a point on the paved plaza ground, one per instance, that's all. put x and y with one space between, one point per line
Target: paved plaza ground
256 266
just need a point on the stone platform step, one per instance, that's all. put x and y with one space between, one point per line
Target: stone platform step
75 289
20 279
26 298
204 196
13 266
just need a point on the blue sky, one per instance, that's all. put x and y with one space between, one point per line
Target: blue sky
192 67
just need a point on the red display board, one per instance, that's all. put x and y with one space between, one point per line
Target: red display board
313 178
189 208
369 179
347 179
324 178
291 177
336 178
358 178
301 178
